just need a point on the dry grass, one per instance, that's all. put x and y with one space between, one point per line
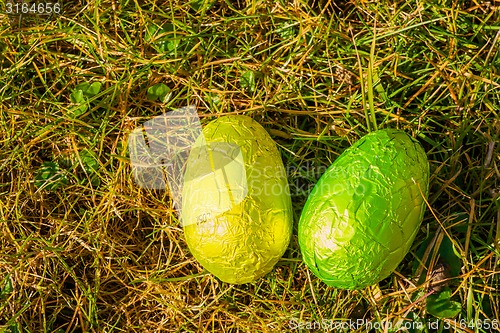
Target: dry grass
99 254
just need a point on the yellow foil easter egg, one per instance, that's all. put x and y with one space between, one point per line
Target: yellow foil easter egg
236 206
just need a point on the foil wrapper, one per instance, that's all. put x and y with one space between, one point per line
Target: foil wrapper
236 205
362 216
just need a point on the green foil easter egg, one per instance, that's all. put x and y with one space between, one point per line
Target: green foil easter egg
236 206
362 216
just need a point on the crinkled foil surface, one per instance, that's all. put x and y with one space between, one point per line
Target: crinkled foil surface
363 214
236 207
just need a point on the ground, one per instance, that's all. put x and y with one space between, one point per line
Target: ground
84 249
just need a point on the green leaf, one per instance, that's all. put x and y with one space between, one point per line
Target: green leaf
447 254
77 96
158 91
90 163
87 89
91 166
198 5
163 38
248 81
50 177
80 94
440 305
7 288
162 46
172 45
13 329
79 111
84 86
93 89
152 30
